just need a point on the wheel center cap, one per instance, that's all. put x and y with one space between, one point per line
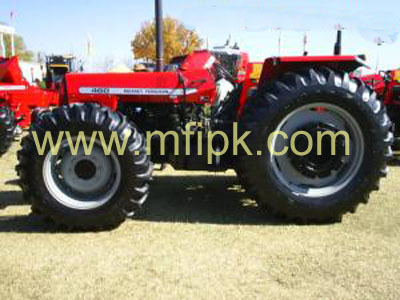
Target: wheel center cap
318 165
85 169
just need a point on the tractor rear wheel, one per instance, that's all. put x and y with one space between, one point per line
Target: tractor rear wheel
84 189
7 127
309 182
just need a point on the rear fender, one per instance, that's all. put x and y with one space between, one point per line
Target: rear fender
276 66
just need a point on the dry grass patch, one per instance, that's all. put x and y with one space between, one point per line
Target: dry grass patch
200 237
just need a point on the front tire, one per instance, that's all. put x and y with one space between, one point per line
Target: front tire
315 188
79 191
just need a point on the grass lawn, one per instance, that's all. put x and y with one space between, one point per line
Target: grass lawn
200 237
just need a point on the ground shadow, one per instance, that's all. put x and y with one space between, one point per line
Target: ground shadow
186 199
20 223
26 224
10 198
202 199
14 182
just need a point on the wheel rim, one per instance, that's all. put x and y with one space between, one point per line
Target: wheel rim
82 182
312 176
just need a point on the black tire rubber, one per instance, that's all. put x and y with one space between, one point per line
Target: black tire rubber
135 167
7 126
277 100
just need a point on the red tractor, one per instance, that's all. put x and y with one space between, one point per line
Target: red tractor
387 86
262 119
18 97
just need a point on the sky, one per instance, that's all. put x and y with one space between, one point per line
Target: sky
62 27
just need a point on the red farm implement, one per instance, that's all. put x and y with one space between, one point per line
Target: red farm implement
17 100
387 86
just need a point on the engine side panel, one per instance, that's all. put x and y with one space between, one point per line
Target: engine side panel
193 86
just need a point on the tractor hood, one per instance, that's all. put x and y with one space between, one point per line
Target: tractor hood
193 81
156 87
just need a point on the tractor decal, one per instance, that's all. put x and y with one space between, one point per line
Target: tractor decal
12 88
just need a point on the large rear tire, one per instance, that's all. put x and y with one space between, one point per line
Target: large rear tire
7 127
315 188
79 191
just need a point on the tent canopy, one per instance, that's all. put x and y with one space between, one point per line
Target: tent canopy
5 29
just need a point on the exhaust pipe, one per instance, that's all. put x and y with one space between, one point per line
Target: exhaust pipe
338 45
159 37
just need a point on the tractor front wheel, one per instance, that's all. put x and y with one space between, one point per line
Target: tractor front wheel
321 143
85 189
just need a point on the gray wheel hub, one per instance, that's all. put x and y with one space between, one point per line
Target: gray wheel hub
87 174
343 169
80 181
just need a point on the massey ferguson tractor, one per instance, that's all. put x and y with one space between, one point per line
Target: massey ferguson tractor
387 86
264 126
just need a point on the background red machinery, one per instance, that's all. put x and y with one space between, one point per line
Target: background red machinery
18 98
19 95
387 86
